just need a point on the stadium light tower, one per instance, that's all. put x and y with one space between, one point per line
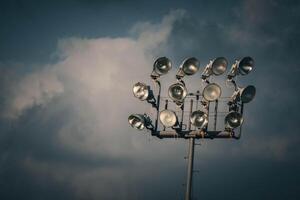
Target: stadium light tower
172 123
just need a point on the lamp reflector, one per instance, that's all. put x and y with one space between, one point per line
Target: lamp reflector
233 119
219 66
162 65
177 92
246 65
141 91
137 121
168 118
199 119
212 92
190 66
247 94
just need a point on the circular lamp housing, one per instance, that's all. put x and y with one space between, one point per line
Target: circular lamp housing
212 92
233 120
190 66
246 65
137 121
247 94
141 91
177 92
162 65
168 118
199 119
219 66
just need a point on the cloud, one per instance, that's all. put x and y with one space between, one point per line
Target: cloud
78 109
96 65
34 89
150 36
64 130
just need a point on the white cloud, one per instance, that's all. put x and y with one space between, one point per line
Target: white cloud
92 65
94 79
34 89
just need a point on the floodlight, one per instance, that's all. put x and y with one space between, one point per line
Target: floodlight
162 65
141 91
219 66
215 67
245 65
190 66
233 120
242 67
199 119
137 121
247 94
177 92
168 118
212 92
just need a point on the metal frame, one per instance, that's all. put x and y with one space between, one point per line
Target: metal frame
192 134
198 134
184 131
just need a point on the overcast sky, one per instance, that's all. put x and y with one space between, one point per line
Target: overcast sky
66 75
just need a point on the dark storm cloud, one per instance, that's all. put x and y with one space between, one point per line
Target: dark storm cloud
62 146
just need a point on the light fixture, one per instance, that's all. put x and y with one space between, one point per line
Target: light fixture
168 118
215 67
233 120
242 67
137 121
189 67
141 91
199 119
247 94
212 92
162 65
245 65
177 92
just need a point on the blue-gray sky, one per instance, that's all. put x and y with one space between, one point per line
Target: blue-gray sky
66 72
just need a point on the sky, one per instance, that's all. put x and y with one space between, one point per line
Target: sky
66 74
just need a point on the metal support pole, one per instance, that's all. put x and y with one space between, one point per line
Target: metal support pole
166 107
216 115
189 179
157 105
182 115
191 110
242 112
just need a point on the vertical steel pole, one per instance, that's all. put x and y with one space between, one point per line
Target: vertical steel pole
189 180
242 112
190 169
166 107
216 113
157 105
182 115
